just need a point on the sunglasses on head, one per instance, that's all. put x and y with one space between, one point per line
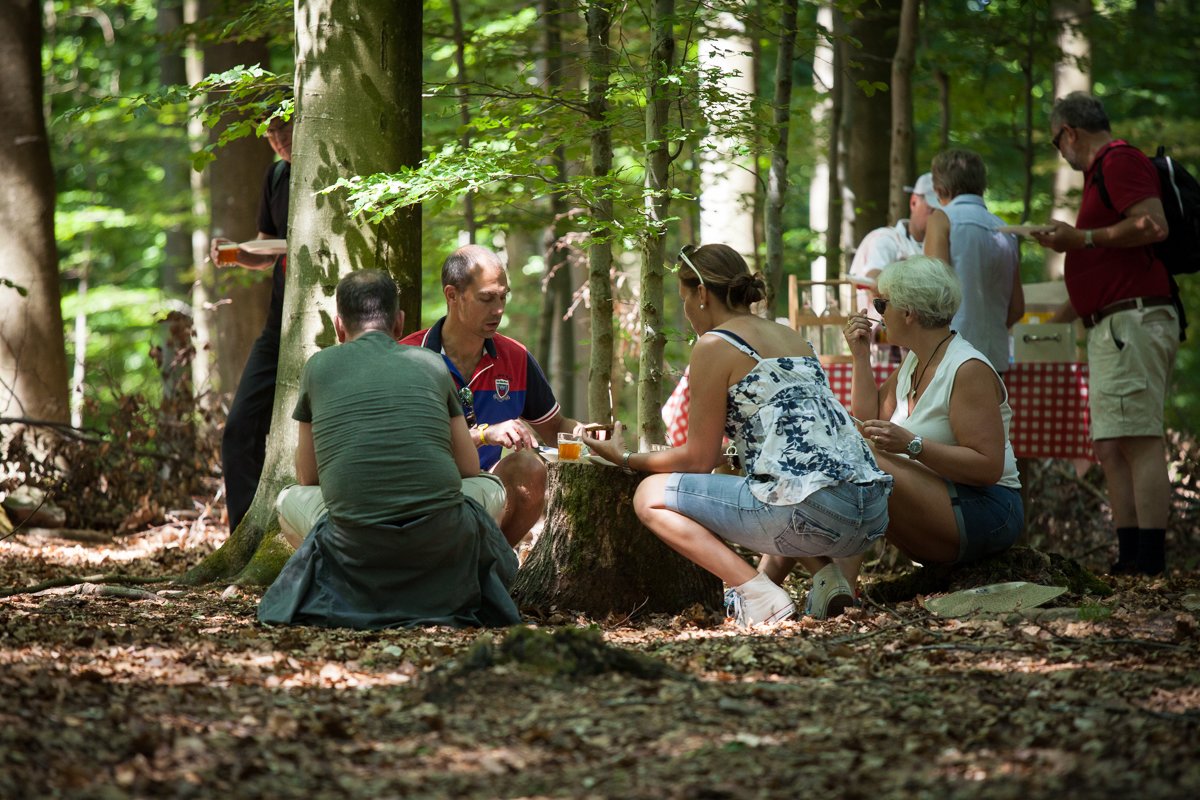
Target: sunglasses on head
683 256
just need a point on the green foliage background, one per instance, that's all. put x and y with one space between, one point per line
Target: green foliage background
109 156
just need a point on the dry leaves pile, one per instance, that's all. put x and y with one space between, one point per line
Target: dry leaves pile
180 693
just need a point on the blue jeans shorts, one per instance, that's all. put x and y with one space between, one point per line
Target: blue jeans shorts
837 521
990 518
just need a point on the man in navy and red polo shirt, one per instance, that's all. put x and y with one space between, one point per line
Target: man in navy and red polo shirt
507 387
1122 292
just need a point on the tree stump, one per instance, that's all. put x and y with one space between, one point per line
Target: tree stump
595 557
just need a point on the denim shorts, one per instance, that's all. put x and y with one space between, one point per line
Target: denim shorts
837 521
990 518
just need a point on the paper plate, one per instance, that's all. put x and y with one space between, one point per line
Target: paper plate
265 247
548 453
994 598
1024 230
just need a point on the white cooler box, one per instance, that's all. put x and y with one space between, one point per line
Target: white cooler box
1045 341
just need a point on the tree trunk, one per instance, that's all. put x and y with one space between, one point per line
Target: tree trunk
464 111
777 180
658 161
902 111
240 297
943 84
176 189
365 65
600 257
869 112
595 557
727 180
1069 16
33 356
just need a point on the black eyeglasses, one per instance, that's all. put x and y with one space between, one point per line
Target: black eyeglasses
1058 138
880 304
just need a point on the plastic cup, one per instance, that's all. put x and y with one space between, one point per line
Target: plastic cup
570 447
227 254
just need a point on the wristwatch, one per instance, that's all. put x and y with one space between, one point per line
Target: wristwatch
915 447
1088 240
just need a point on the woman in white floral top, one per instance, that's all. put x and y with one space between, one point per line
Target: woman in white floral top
811 489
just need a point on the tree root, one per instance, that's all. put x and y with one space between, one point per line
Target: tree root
77 580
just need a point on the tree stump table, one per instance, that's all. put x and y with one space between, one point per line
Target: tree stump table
594 556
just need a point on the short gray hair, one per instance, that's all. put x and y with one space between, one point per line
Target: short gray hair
925 285
1080 110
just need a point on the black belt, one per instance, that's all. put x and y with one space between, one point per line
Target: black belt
1125 305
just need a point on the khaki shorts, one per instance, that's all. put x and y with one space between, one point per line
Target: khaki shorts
1131 355
301 507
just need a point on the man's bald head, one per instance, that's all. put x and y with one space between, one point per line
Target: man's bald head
460 265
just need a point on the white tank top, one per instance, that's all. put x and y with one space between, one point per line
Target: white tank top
930 418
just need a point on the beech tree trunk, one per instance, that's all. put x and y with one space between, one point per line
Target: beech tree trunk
1070 18
658 162
595 557
902 123
600 256
869 112
356 60
33 357
777 179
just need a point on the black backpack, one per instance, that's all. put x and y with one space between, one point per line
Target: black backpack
1180 251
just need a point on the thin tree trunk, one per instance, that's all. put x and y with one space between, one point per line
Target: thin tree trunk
871 112
33 358
658 161
355 60
943 84
902 111
79 368
1032 45
464 111
176 187
835 202
600 258
1069 16
727 179
777 179
201 294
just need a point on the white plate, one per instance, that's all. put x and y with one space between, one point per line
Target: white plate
265 247
548 453
1024 230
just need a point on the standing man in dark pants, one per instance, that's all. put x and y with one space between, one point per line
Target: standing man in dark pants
1122 292
244 443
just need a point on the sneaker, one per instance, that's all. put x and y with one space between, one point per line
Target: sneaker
1123 568
759 601
830 594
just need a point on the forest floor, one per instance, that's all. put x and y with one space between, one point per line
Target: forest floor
158 690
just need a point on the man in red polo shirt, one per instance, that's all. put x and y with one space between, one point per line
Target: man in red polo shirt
1122 292
507 391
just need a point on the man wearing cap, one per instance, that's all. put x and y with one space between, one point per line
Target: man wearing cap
963 234
884 246
1122 291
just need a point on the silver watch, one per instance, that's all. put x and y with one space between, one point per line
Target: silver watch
915 447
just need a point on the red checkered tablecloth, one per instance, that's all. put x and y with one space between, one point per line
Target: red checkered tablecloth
1049 403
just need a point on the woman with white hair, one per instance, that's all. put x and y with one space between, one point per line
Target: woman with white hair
939 424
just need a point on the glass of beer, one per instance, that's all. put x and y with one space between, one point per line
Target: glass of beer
227 255
570 447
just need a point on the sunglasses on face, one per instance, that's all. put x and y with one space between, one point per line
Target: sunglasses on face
1058 138
880 304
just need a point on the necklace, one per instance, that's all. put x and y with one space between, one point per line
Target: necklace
912 392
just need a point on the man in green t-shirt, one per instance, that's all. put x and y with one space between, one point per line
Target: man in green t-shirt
382 435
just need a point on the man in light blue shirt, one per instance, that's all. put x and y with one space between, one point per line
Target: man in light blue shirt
963 233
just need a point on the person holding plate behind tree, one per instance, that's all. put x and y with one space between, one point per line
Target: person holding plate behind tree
244 441
939 424
811 488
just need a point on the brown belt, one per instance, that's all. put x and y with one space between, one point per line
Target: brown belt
1125 305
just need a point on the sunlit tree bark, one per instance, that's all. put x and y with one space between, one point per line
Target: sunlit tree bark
358 112
600 256
1071 74
902 122
33 361
777 181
